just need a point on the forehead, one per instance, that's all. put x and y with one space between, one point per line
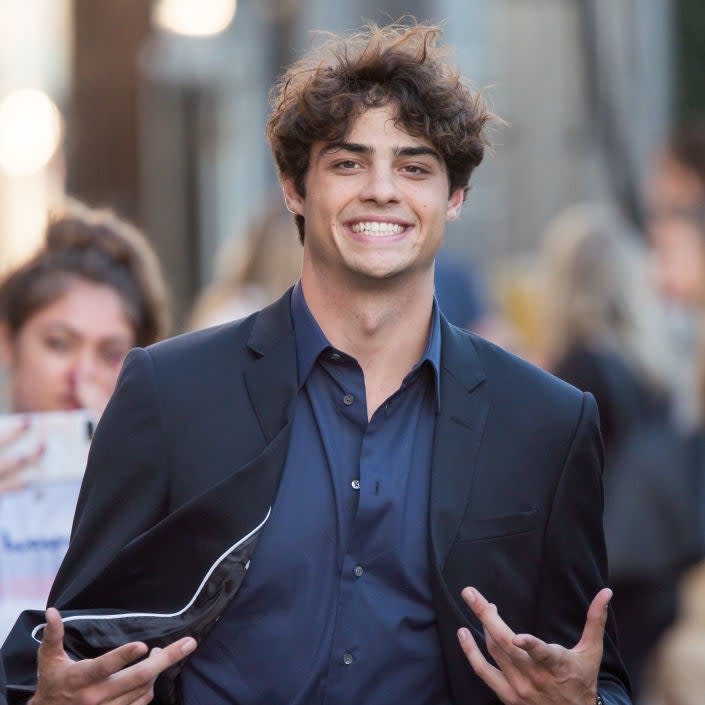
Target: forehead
92 310
380 127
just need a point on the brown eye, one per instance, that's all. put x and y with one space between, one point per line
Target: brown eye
113 357
56 344
416 170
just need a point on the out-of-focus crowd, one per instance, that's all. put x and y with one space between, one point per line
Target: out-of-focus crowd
621 309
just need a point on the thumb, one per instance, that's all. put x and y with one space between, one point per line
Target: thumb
52 645
594 630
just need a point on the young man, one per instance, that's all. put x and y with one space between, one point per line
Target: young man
376 473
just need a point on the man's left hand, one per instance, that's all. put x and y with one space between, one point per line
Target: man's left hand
529 671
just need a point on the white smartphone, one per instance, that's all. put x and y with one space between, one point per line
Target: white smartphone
66 436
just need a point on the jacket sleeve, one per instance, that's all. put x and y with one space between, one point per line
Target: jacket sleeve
124 493
574 566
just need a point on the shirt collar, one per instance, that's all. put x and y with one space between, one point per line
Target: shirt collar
432 353
311 341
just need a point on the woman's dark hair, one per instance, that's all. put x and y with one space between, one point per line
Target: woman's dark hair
82 244
687 145
320 96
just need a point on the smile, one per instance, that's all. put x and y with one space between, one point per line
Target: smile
375 227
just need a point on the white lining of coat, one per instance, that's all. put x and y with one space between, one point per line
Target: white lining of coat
219 560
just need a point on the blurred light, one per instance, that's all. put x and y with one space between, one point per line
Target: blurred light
197 18
30 131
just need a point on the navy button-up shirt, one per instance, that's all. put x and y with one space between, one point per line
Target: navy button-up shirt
336 607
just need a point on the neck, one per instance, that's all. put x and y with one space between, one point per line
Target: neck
385 328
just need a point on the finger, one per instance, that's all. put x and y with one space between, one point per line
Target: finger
144 672
492 677
540 652
594 630
9 437
91 671
12 466
143 694
491 621
12 485
511 666
147 698
52 645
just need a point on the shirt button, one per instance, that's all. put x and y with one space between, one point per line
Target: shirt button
348 399
335 357
348 659
359 570
355 484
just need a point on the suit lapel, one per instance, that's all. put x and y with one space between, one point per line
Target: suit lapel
271 379
227 511
459 429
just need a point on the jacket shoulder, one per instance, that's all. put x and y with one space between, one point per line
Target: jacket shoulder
208 341
515 383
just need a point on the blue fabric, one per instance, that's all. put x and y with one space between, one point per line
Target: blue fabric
336 607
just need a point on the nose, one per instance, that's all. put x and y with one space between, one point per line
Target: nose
84 366
380 186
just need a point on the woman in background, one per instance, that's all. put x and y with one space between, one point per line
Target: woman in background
252 277
605 336
68 317
603 323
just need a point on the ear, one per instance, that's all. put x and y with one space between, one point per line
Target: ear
455 203
292 198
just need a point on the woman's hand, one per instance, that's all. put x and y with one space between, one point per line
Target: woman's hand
12 468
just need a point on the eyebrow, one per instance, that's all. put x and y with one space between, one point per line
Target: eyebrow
59 327
366 150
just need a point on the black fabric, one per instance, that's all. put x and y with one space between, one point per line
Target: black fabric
651 510
3 683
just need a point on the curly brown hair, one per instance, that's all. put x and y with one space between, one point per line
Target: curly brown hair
94 245
319 97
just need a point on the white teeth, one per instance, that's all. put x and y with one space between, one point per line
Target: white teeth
377 228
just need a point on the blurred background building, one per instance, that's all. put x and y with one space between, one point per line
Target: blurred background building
157 109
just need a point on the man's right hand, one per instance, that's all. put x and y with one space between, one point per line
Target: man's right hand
106 680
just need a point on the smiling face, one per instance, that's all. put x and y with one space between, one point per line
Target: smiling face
84 335
376 204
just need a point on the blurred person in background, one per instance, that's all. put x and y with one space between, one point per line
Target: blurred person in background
462 299
252 277
676 181
675 202
603 320
679 666
459 292
68 317
605 335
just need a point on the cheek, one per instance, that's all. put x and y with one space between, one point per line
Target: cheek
38 382
107 373
36 366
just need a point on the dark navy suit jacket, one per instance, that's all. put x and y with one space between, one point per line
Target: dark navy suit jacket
190 448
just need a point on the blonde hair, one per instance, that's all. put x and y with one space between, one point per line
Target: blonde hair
269 262
597 291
